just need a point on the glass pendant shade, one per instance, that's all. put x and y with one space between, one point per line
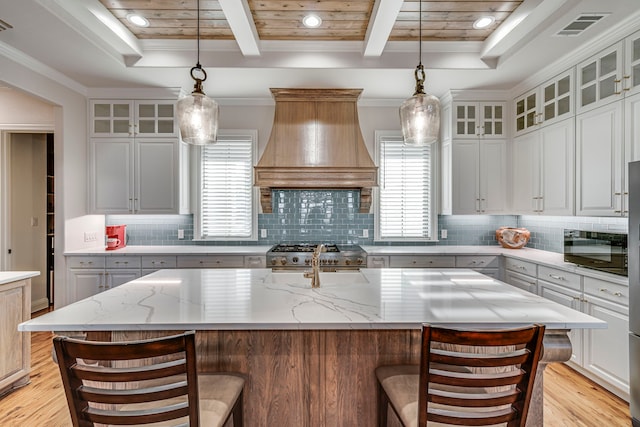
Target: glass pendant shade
420 119
198 119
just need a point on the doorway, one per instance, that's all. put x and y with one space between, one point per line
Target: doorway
29 210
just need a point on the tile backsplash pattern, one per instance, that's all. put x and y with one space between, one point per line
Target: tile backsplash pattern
332 216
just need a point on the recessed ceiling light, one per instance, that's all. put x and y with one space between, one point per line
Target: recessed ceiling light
311 21
137 20
483 22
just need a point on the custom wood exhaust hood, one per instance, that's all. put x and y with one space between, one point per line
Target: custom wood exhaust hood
316 143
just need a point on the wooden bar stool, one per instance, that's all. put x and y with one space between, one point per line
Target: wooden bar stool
144 382
470 378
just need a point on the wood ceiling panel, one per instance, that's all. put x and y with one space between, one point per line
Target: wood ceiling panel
341 20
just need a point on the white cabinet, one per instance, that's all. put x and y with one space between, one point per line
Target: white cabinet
255 261
479 176
547 104
599 162
89 275
543 170
136 162
606 351
422 261
478 119
611 75
210 261
521 274
488 265
126 118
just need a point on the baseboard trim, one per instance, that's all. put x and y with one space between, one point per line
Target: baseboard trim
40 304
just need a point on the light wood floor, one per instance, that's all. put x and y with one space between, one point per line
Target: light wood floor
570 399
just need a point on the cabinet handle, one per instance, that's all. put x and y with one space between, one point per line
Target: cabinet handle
624 87
604 290
553 276
136 203
576 298
618 294
130 206
615 86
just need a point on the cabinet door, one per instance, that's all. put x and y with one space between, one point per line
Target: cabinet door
493 177
557 153
111 118
526 112
556 101
599 161
111 175
466 120
631 142
631 78
116 277
607 350
569 298
525 174
85 283
157 176
492 120
465 179
155 118
599 79
12 311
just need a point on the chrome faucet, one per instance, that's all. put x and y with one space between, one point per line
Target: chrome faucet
314 273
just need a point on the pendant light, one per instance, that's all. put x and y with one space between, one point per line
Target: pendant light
197 113
420 114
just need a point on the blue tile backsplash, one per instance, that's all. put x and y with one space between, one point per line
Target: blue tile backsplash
332 216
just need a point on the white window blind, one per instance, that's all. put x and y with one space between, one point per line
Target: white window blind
226 199
405 197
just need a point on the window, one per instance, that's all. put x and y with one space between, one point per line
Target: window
405 202
227 202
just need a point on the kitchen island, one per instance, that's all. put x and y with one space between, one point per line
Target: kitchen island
310 354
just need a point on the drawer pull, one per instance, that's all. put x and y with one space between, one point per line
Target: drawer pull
554 276
618 294
218 261
604 290
201 262
576 298
413 262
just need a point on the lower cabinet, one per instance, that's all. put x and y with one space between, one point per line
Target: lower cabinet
521 274
15 346
606 351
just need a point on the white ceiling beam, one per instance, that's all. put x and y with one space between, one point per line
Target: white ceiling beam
520 27
383 17
241 22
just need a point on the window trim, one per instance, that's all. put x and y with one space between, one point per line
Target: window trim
380 135
251 134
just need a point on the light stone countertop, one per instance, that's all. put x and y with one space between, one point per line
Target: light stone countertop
174 250
252 299
548 258
14 276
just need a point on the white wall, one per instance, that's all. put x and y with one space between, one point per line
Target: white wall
70 135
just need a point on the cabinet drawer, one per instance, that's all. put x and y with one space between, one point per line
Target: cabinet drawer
123 262
607 290
255 261
483 261
214 261
559 277
520 266
85 262
422 261
522 281
158 261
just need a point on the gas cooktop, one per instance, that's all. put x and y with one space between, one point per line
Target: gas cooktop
298 255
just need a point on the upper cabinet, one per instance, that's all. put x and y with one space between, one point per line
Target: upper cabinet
128 118
610 75
474 120
137 163
545 105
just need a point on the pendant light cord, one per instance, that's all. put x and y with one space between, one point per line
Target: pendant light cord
198 34
420 33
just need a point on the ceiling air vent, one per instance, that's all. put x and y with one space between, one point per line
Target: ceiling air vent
581 23
4 25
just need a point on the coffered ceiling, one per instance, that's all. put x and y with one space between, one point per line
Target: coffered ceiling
248 46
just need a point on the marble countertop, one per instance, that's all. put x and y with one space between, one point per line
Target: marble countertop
548 258
14 276
175 250
241 299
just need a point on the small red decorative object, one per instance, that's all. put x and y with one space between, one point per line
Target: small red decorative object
512 238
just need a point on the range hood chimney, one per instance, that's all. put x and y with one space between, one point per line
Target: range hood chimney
316 143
